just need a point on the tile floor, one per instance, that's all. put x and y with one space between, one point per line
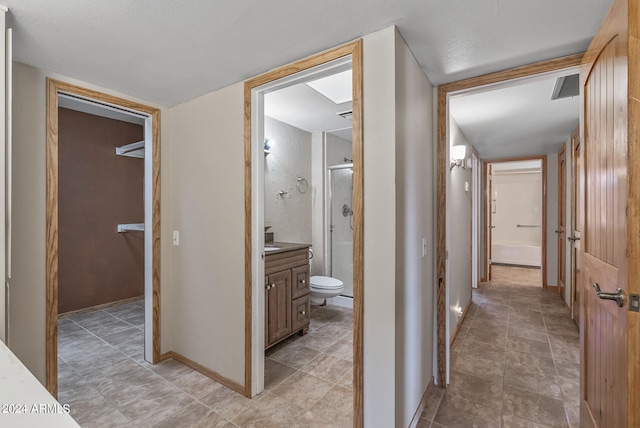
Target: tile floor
107 383
515 361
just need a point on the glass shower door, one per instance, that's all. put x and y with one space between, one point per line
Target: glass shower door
341 225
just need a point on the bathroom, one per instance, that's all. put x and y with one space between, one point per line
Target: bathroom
308 192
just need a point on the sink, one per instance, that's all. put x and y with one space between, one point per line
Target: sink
270 248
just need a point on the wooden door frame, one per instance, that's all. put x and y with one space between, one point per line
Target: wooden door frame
444 93
355 50
575 188
543 159
54 88
562 216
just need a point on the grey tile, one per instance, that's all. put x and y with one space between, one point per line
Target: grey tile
529 345
275 373
302 389
226 402
195 415
458 412
297 355
482 391
336 406
123 336
433 401
327 367
534 407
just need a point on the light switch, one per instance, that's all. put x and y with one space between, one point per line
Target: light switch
424 247
466 186
176 238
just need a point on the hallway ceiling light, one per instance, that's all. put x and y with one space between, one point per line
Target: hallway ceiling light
336 87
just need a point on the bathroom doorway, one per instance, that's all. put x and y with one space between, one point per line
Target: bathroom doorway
516 215
311 69
64 94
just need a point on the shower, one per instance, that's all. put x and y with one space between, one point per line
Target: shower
340 231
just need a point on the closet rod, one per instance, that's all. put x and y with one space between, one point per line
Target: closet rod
127 149
131 227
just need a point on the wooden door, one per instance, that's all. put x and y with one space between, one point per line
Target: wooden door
562 209
577 189
278 306
610 333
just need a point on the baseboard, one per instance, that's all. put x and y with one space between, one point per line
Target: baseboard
422 405
102 306
464 314
553 289
205 371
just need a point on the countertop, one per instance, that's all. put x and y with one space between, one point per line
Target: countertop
284 247
24 402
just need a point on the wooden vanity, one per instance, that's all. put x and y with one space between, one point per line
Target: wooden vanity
286 296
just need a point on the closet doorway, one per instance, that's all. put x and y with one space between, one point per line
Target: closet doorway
137 236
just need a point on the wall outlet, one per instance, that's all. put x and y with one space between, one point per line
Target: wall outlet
176 238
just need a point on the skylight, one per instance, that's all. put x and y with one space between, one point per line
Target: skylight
336 87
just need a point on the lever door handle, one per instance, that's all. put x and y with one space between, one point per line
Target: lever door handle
618 296
573 238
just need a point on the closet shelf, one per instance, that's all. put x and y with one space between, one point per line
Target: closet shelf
134 150
131 227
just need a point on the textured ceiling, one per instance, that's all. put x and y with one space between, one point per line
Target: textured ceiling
516 120
169 52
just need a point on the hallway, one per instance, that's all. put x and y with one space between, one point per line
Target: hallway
515 361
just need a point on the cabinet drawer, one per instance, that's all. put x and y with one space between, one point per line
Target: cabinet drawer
300 313
300 281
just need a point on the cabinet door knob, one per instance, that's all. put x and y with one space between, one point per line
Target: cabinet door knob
304 281
304 312
268 287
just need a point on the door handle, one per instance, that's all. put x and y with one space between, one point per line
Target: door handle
573 238
493 227
618 296
559 232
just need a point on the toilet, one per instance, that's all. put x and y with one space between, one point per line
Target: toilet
324 287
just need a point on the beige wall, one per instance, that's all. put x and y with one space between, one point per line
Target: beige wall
379 228
27 305
3 134
203 198
207 164
458 231
414 222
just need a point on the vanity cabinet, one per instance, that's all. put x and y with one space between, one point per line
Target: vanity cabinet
287 303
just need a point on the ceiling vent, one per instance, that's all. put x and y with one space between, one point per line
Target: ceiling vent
346 114
566 86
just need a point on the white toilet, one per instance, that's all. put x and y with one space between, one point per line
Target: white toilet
324 287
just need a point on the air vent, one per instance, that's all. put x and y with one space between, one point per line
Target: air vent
566 87
346 114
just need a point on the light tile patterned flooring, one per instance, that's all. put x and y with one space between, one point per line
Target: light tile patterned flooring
104 378
515 361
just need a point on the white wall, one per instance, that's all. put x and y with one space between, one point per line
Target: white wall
414 222
316 185
552 219
207 164
27 306
458 231
289 215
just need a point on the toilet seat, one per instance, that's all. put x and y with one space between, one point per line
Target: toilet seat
325 282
